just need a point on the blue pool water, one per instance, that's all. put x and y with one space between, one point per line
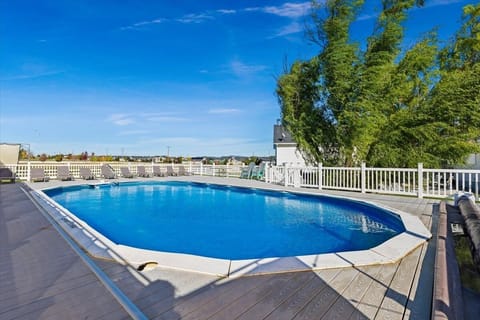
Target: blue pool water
227 222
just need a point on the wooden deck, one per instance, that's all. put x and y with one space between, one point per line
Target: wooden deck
41 277
391 291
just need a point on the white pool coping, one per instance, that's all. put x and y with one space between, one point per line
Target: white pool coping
101 247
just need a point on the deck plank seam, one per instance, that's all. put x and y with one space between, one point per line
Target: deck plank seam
388 287
323 277
257 284
289 294
417 266
370 284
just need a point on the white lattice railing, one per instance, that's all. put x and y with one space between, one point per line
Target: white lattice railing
409 181
22 169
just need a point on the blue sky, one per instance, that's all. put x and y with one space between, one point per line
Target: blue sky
136 77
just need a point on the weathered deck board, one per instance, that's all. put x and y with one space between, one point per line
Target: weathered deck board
289 308
346 306
397 295
41 277
367 305
232 290
421 292
321 303
249 300
278 296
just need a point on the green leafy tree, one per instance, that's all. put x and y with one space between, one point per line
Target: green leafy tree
298 94
24 154
366 115
406 135
251 159
384 105
456 97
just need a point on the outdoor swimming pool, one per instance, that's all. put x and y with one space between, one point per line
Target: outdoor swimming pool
227 222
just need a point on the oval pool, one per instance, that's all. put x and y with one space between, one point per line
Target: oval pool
227 222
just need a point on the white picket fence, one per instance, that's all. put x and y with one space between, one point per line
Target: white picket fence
23 168
420 182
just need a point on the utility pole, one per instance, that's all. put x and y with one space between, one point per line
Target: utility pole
168 151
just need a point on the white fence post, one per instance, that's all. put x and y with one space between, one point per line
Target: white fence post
320 176
28 171
201 168
363 177
213 169
286 175
296 178
420 180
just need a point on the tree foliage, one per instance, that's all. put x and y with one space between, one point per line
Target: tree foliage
386 105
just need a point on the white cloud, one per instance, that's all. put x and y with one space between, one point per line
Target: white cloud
436 3
291 28
223 111
241 69
226 11
166 119
194 18
163 117
121 119
367 16
133 132
289 10
428 4
29 70
140 24
143 23
33 75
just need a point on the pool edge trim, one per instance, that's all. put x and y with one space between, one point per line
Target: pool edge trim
99 246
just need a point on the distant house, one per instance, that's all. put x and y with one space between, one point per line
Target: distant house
473 161
286 149
9 153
